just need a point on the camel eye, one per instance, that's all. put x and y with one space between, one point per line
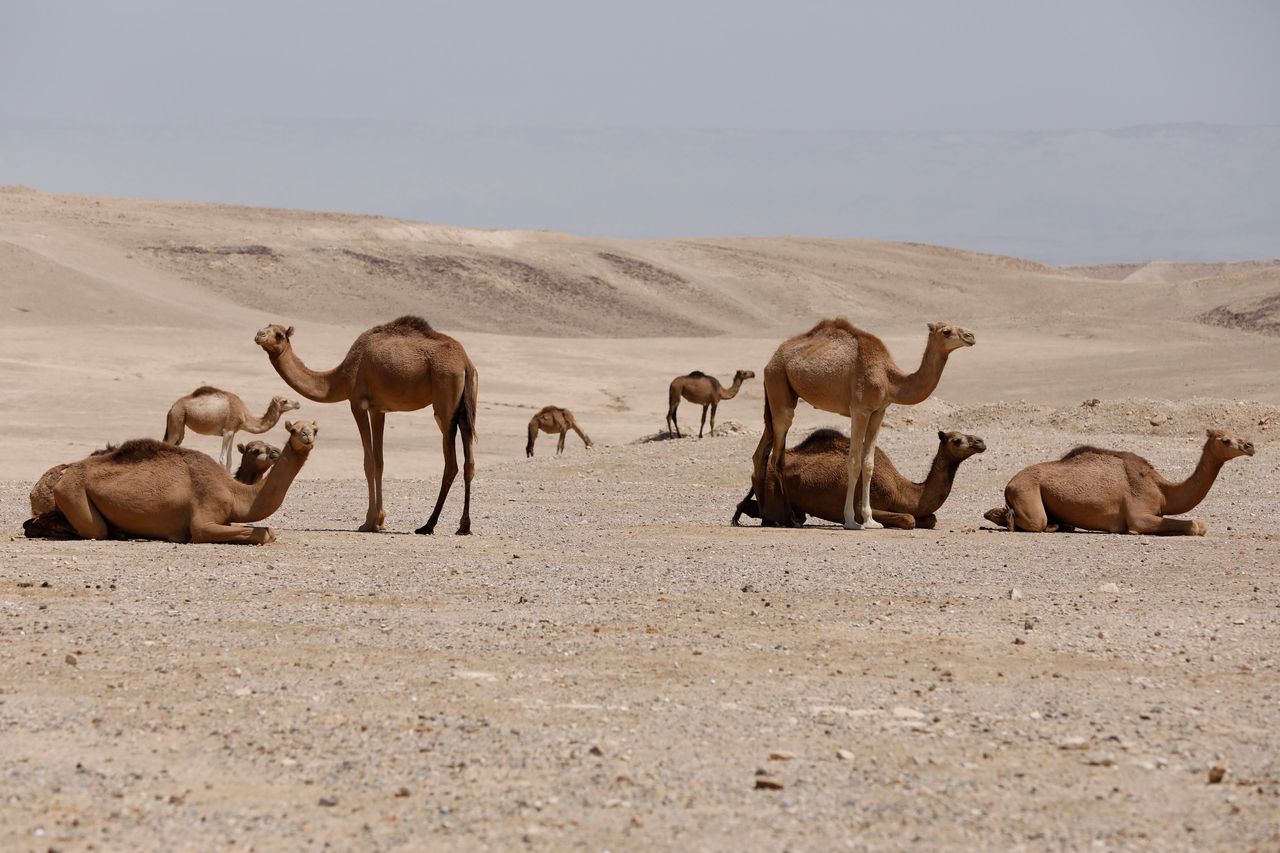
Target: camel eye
947 333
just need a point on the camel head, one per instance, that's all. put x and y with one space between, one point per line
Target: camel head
950 337
258 454
1225 445
284 404
742 375
960 446
274 339
302 435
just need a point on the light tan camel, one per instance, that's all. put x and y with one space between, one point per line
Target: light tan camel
1112 491
839 368
152 490
212 411
702 390
401 366
817 481
256 459
42 491
552 420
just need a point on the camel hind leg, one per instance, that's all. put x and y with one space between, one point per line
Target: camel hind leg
1024 509
673 403
533 436
73 502
228 446
782 411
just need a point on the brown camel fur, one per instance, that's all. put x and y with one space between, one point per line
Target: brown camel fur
42 491
703 390
817 472
256 459
212 411
552 420
148 489
1112 491
401 366
839 368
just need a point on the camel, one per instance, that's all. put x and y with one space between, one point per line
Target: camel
212 411
42 491
256 459
401 366
149 489
703 390
1112 491
839 368
817 482
552 420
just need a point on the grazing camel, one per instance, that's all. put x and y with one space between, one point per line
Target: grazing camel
817 481
839 368
1112 491
401 366
212 411
148 489
256 459
552 420
703 390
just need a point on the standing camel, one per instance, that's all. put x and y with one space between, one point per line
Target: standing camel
839 368
212 411
401 366
703 390
552 420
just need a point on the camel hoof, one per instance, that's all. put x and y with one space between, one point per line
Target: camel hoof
464 531
1199 528
262 536
425 530
852 525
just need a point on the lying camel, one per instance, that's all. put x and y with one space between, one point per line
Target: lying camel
703 390
256 459
42 491
147 489
818 480
1112 491
212 411
552 420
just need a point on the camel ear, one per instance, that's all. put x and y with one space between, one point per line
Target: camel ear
288 425
288 333
1213 433
942 435
240 447
933 327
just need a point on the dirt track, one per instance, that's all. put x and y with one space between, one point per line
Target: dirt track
608 665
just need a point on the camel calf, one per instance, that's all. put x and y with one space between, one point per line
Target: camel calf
552 420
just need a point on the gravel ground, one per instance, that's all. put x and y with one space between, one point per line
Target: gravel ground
607 664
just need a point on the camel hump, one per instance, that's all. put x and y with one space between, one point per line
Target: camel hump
823 439
837 325
548 409
206 390
409 324
143 449
696 374
1089 449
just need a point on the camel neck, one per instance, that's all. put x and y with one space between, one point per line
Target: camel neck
937 486
256 502
257 426
915 388
326 387
1185 496
732 391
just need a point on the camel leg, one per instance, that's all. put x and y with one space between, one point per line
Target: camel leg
228 443
450 443
370 467
73 501
1028 510
901 520
713 417
868 469
1160 526
704 420
377 422
927 522
533 436
784 515
858 422
233 534
673 426
560 445
468 474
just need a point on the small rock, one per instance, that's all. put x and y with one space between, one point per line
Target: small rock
1158 419
1091 403
746 587
1018 641
1074 743
1109 587
243 691
71 660
1216 774
781 756
844 755
902 712
596 750
1015 594
328 801
402 792
1100 759
765 784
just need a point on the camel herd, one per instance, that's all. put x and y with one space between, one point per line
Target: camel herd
152 489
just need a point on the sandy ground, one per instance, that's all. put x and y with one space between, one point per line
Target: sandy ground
607 664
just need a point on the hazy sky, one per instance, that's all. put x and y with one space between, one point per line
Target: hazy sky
792 69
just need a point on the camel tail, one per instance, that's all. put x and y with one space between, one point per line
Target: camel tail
175 425
573 425
464 418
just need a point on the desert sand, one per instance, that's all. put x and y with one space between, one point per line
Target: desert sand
606 663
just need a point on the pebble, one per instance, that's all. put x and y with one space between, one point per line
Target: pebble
765 784
1216 774
328 801
1076 742
1015 594
1100 759
844 754
902 712
781 756
1109 587
71 660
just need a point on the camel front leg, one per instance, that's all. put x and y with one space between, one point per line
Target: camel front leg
900 520
868 469
231 534
713 418
560 444
704 421
371 524
1161 526
858 422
